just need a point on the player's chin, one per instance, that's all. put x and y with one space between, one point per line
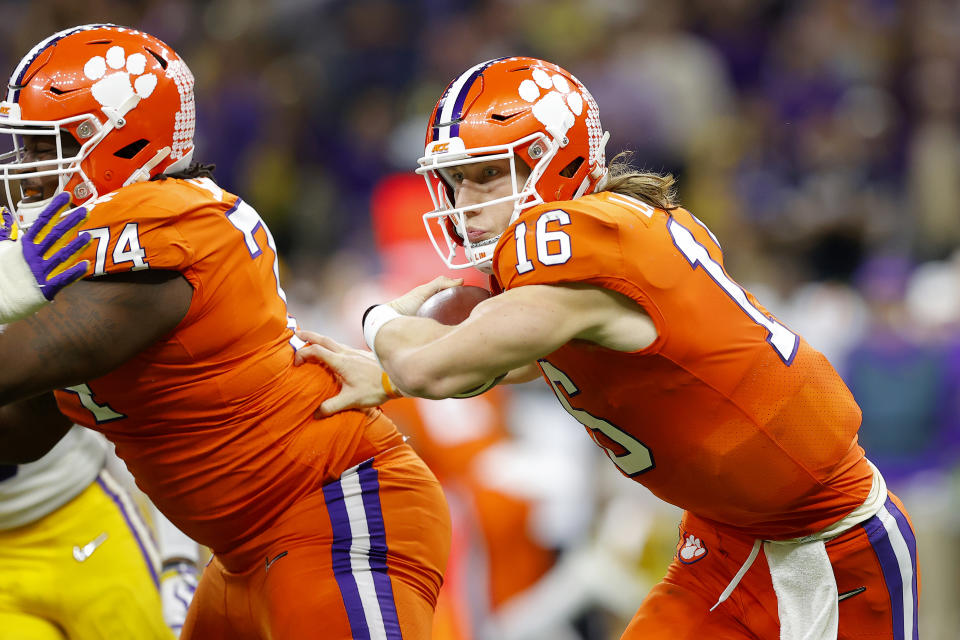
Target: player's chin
35 191
480 389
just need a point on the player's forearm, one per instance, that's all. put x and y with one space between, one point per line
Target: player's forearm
429 360
416 356
522 374
93 327
506 332
54 348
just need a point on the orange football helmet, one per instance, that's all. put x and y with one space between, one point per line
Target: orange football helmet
123 95
510 108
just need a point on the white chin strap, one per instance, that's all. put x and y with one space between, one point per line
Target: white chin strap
481 254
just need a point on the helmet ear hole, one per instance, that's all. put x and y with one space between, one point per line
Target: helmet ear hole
571 169
131 149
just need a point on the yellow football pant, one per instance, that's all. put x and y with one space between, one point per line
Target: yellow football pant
84 572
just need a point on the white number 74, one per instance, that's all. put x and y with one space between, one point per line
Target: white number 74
127 249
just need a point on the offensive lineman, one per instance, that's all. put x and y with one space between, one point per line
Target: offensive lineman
177 346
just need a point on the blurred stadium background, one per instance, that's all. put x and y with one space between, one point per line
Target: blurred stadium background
819 139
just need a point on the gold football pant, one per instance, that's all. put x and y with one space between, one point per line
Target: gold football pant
87 571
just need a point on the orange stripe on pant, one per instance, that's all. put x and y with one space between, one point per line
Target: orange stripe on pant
363 558
875 566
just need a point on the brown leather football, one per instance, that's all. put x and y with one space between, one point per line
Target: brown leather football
453 305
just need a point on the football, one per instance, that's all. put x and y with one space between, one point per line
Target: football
453 305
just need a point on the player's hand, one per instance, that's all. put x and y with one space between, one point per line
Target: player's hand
410 302
28 278
178 583
360 374
41 237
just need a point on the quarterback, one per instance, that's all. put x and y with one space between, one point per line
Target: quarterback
177 346
619 298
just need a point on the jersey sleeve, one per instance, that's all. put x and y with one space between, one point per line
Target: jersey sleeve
135 229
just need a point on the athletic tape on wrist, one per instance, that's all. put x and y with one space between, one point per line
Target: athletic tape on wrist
19 294
374 319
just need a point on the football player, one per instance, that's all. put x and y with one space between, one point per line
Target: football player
619 298
178 347
77 559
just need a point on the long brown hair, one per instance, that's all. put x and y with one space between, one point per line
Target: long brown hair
656 189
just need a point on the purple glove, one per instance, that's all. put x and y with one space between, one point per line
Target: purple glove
34 250
7 226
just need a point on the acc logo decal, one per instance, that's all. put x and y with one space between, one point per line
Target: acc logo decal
441 147
5 110
690 549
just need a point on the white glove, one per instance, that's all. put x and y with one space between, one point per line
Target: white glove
178 583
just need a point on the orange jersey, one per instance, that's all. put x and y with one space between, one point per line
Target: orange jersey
728 413
213 420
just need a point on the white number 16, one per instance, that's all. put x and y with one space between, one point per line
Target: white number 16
547 254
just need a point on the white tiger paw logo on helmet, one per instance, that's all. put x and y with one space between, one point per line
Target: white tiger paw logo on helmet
559 108
113 74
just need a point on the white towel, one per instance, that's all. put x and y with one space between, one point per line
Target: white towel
807 598
806 590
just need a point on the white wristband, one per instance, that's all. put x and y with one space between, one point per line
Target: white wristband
19 293
374 321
